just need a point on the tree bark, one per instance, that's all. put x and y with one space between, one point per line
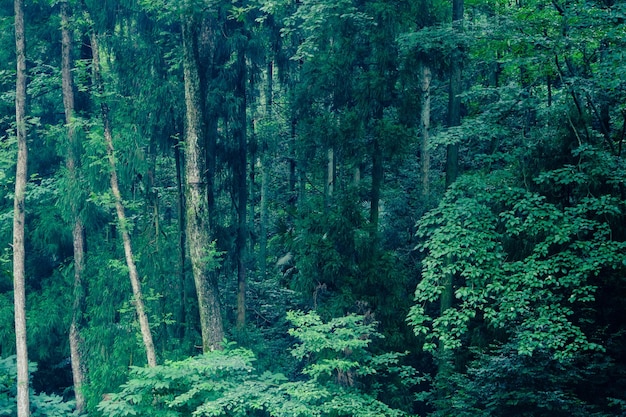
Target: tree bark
71 162
242 190
182 252
265 173
330 175
19 273
454 99
135 282
377 182
198 233
426 77
446 359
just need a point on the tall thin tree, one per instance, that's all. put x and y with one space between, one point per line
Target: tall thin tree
19 273
452 169
454 96
135 282
72 162
240 179
425 80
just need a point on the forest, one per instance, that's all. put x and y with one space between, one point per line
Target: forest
313 208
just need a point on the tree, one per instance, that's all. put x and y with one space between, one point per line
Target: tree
197 207
76 343
19 278
124 225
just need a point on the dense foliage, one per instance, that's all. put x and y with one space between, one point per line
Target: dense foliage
292 175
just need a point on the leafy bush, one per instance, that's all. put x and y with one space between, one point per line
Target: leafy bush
42 405
225 383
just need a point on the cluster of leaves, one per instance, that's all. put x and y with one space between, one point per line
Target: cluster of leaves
500 382
524 264
226 383
42 405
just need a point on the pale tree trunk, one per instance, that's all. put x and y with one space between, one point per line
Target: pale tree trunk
197 206
19 278
426 77
331 172
121 216
265 173
78 369
329 183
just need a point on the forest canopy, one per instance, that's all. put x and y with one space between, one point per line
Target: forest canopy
283 208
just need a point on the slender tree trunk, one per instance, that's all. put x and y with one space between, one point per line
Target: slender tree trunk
426 77
135 282
297 175
182 252
263 216
19 273
377 182
454 99
198 237
265 173
242 191
452 170
329 178
72 163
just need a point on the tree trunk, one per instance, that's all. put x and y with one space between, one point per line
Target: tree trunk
454 99
71 161
198 233
19 273
331 173
377 182
426 77
135 282
182 252
242 191
446 358
265 173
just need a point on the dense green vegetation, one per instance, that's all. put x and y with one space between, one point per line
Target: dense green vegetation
318 208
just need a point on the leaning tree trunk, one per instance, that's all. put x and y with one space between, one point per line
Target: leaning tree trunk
19 278
121 216
197 206
71 161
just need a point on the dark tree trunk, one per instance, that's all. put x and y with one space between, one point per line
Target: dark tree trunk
454 99
426 77
242 190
